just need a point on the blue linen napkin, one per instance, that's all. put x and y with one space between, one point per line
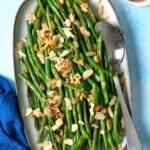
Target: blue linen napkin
11 130
135 24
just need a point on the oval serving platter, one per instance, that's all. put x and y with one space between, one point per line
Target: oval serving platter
19 33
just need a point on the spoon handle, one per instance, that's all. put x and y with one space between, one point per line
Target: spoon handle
133 142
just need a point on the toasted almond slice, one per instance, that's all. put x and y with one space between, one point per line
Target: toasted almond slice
99 116
68 103
91 110
67 23
28 112
79 61
84 31
37 113
58 124
21 54
109 124
91 53
65 52
46 145
110 112
100 9
94 126
81 122
84 7
113 101
61 2
30 16
102 132
72 17
59 83
74 127
68 32
87 73
68 142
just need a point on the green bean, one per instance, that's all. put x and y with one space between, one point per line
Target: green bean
31 85
41 131
55 10
115 122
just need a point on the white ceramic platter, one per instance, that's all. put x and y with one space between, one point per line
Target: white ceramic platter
20 32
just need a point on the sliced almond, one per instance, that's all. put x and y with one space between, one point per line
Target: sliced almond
79 61
84 31
68 142
58 124
46 145
68 103
91 110
113 101
74 127
37 113
65 52
99 116
68 32
94 126
61 2
81 122
109 124
100 9
84 7
28 112
30 16
87 73
91 53
102 132
67 23
110 112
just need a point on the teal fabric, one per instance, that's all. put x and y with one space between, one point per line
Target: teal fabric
135 23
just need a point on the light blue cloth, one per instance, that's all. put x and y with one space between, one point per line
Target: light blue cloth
135 22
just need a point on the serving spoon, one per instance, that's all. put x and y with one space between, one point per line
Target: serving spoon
115 49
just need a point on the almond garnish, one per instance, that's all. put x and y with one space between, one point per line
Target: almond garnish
84 7
30 16
91 53
79 61
67 23
58 124
68 103
68 142
100 9
99 116
74 127
87 73
84 31
110 112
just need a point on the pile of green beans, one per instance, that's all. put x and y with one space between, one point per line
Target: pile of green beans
91 134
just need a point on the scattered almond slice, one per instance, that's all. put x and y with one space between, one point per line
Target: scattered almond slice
99 116
92 53
113 101
79 61
84 31
68 32
68 103
68 142
110 112
37 113
61 2
102 132
72 17
65 52
81 122
100 9
87 73
30 16
28 112
58 124
91 110
84 7
46 145
74 127
94 126
67 23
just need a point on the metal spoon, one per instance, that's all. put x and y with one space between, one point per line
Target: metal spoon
115 47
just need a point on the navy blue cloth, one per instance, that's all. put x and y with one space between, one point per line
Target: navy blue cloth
12 135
